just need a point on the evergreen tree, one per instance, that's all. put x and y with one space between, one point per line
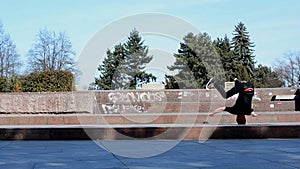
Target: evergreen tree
196 62
107 70
134 63
186 62
264 77
123 68
171 83
228 59
242 49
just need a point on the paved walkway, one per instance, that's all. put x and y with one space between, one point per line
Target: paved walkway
223 154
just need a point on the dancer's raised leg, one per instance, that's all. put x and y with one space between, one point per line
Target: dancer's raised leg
218 110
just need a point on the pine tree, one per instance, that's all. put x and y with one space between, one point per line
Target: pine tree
196 62
171 83
123 68
242 49
266 78
186 62
134 63
229 60
108 78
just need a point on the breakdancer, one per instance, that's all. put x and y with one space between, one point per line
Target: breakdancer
243 104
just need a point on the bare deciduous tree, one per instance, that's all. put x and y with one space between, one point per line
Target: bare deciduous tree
9 58
288 68
51 51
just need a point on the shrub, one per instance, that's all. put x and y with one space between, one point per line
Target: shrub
48 81
5 85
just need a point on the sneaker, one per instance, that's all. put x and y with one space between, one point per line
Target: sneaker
211 81
236 81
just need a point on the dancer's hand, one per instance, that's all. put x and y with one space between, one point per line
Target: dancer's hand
253 114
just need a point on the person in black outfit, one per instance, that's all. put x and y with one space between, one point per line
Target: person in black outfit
243 104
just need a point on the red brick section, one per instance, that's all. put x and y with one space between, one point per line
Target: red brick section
40 120
284 117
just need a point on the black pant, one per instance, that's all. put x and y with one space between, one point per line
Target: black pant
230 92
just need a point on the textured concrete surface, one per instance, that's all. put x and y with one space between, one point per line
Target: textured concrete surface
212 154
134 101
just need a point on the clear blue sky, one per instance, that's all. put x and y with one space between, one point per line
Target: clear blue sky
274 26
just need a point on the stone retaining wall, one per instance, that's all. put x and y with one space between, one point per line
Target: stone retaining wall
45 102
134 101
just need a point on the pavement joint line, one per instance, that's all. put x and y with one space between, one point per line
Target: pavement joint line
114 155
150 125
136 114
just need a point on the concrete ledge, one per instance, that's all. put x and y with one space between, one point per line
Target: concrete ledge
177 132
139 119
257 131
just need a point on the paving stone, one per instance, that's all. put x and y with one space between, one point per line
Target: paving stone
212 154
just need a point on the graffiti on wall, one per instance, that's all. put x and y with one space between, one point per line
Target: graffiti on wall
141 102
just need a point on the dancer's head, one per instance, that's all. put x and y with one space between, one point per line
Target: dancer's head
241 119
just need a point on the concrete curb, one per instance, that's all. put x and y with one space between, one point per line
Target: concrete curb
253 131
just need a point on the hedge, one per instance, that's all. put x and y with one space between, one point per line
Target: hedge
46 81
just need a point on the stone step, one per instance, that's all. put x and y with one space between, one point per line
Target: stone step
159 132
141 119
